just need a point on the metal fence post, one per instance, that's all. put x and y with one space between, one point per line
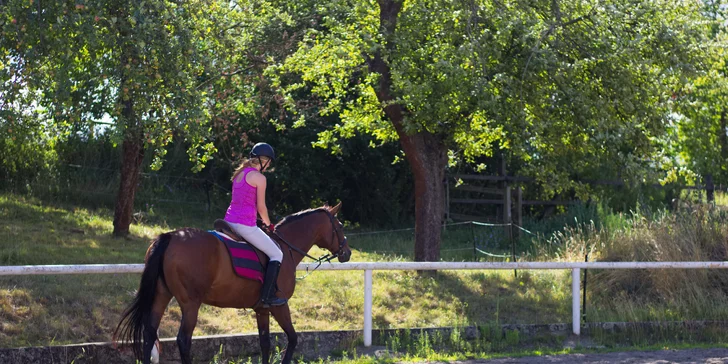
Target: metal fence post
368 308
575 308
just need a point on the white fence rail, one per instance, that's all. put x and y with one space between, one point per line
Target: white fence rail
368 268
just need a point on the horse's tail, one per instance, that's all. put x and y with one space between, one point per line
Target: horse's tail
137 315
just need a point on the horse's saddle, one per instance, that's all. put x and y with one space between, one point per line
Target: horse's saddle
223 227
248 261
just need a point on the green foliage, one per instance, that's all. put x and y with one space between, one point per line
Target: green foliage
374 192
701 128
27 152
147 66
141 65
578 88
566 91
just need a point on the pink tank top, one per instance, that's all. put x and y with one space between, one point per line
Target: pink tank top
242 208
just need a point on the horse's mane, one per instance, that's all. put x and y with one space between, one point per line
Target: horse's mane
301 214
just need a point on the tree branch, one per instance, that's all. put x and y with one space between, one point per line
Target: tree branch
226 74
560 24
556 10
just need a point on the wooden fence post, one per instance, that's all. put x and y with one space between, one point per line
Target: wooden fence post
447 202
503 185
507 207
519 210
709 188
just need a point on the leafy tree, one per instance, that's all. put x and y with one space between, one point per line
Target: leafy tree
375 192
560 86
27 148
703 104
144 64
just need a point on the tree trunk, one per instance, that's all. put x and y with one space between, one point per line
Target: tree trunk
425 152
132 149
428 165
132 154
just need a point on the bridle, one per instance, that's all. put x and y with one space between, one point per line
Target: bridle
335 231
324 258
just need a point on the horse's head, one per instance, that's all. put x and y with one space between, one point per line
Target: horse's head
336 241
318 227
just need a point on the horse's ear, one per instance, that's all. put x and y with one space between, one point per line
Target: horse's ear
335 210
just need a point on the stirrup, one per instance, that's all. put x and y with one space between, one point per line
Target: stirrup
274 302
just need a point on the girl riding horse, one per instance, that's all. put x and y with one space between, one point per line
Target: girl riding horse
194 267
249 185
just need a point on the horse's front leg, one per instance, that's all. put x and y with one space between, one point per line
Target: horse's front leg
282 314
263 318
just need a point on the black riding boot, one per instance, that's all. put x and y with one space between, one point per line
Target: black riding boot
268 292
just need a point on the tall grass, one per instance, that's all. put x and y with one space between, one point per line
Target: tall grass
697 233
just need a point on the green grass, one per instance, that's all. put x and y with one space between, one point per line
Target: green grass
43 310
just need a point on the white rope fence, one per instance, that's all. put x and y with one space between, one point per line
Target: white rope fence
475 223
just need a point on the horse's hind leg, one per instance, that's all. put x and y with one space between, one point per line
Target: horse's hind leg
161 300
184 337
263 319
283 316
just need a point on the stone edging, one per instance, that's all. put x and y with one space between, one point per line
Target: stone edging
311 344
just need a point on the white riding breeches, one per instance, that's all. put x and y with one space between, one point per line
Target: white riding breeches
259 239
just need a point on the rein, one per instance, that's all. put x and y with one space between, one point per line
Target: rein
324 258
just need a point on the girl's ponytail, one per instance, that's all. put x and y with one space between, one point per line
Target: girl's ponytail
244 164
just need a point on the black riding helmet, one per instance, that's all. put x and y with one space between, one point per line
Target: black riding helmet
263 150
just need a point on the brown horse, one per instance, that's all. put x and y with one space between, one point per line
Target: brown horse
194 267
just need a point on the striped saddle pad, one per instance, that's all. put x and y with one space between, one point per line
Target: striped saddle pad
244 257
